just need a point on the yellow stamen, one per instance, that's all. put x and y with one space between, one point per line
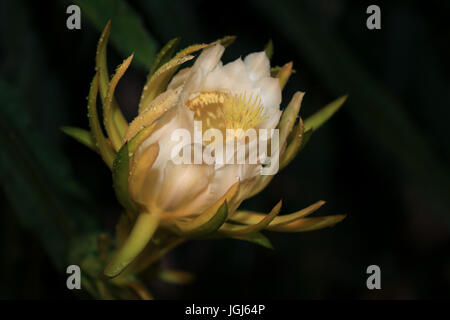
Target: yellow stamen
222 110
242 113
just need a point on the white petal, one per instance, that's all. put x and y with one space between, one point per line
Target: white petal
179 78
232 77
269 92
178 118
209 58
273 118
182 183
258 65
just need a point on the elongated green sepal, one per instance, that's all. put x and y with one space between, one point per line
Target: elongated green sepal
165 55
269 49
81 135
190 49
305 139
256 238
121 168
204 224
210 220
226 41
120 122
111 128
106 151
320 117
101 61
139 171
294 144
284 74
249 217
229 229
159 81
121 172
142 232
308 224
289 117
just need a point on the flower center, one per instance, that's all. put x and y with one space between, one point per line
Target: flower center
222 110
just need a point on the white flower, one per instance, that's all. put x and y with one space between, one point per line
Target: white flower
237 95
196 199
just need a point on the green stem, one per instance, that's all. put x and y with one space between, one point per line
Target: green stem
143 230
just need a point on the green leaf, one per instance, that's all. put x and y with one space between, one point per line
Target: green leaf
81 135
26 182
320 117
128 32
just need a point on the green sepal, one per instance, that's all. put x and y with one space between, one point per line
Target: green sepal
305 139
226 41
120 174
106 151
250 217
161 76
109 107
81 135
101 66
308 224
256 238
274 71
207 223
320 117
284 74
269 49
165 54
121 168
231 229
294 144
160 79
289 117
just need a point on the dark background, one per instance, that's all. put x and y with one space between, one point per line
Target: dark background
382 159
